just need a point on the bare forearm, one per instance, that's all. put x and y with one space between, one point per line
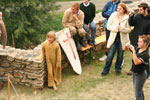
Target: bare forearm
136 60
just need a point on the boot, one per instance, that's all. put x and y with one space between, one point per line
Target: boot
90 43
82 42
76 39
93 42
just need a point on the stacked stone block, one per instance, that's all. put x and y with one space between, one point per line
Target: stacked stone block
22 66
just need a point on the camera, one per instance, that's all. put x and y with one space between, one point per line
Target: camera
132 12
130 46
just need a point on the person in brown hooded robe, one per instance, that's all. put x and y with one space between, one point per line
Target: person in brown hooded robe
51 51
3 36
3 33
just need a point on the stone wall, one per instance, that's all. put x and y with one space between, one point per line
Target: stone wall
22 66
25 70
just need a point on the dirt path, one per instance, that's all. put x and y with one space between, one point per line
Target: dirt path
99 4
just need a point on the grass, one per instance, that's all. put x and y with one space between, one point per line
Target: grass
98 11
72 84
88 85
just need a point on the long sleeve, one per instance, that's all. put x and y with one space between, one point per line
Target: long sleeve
110 26
41 57
58 65
93 13
125 28
58 55
104 11
147 29
65 19
79 23
132 20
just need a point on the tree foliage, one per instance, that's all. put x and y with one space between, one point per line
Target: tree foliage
27 20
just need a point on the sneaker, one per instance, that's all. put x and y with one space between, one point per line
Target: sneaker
129 73
90 43
103 58
83 43
94 43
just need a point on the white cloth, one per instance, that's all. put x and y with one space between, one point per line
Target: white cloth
86 5
113 22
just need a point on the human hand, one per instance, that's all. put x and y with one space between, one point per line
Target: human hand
131 47
38 58
118 28
126 48
75 17
132 12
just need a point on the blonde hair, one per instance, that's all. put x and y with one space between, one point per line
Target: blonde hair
76 6
51 34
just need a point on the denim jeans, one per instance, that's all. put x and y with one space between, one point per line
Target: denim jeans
138 82
93 31
116 46
107 34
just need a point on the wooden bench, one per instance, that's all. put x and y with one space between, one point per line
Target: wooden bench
100 39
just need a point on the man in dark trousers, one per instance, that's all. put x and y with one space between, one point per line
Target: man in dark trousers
108 9
89 12
141 23
3 36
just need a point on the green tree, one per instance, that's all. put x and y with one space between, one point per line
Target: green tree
27 20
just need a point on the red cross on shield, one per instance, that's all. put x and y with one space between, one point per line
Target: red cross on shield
69 40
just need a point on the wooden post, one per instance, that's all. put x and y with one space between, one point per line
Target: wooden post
8 87
13 41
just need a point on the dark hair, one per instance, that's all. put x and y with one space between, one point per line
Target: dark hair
144 5
144 38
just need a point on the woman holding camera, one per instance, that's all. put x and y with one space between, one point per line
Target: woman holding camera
139 63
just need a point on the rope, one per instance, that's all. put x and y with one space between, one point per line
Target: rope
13 87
